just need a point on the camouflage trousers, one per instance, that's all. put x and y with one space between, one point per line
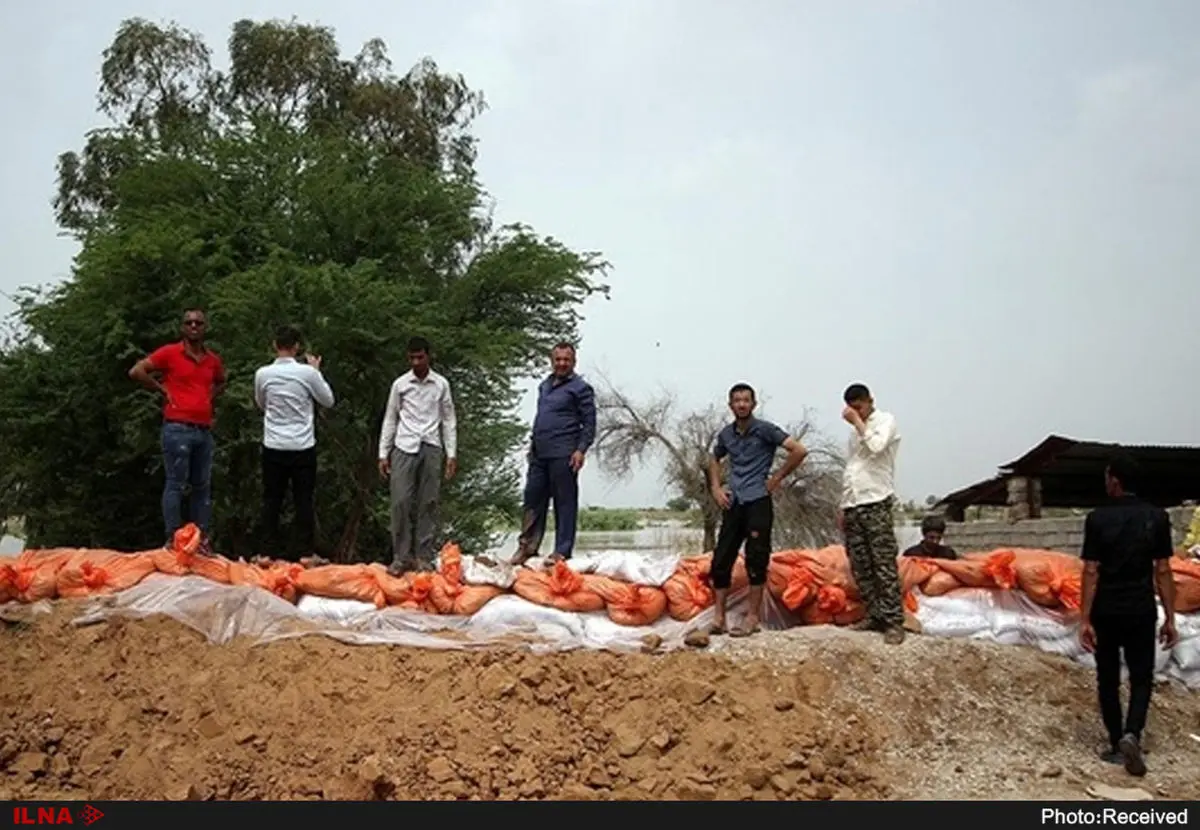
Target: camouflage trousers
872 548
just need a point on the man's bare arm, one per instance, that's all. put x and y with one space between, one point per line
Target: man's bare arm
1164 580
1091 574
797 452
143 372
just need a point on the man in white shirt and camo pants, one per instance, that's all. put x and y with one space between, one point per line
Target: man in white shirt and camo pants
866 514
419 431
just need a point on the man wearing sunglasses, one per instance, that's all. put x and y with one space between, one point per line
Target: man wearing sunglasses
189 376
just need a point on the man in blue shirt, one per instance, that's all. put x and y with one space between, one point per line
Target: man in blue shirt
750 445
563 431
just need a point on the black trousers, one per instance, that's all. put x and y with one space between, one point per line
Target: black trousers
1134 636
279 467
751 523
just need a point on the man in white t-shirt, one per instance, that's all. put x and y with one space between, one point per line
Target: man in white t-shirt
419 433
866 512
286 391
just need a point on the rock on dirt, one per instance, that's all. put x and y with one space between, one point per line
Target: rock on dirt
149 710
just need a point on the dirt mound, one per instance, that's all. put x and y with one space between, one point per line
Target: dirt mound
148 710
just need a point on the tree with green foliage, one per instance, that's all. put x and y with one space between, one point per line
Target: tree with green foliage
296 187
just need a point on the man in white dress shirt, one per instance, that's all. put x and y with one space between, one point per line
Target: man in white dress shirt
866 512
285 391
419 431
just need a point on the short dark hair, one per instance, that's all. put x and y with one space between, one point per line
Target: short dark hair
194 310
563 344
856 392
933 524
1124 468
287 337
418 344
742 387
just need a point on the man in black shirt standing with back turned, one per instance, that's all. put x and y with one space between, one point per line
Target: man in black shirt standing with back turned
1126 553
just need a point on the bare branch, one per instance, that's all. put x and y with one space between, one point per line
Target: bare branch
629 433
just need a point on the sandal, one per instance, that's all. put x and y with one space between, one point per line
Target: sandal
745 631
715 630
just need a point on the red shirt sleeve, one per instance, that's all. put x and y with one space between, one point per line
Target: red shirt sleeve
160 358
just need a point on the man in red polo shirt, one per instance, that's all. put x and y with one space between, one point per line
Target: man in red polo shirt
192 376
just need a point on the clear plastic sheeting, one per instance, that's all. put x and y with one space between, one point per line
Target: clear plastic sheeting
224 612
1011 618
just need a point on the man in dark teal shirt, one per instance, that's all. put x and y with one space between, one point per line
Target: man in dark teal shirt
750 444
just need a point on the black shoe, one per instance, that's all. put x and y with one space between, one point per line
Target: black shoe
1131 751
1112 756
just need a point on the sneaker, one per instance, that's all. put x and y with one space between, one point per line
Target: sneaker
894 636
1111 755
1131 751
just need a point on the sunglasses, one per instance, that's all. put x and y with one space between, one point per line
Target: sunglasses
194 323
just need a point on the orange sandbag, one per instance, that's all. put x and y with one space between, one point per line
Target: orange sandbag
689 590
212 568
969 571
447 592
8 578
560 588
357 582
1186 573
459 600
102 572
1049 578
915 573
278 578
1000 567
183 557
628 603
795 576
789 579
33 575
833 605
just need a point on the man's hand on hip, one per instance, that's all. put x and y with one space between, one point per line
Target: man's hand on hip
577 461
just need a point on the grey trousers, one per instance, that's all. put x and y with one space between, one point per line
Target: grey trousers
416 483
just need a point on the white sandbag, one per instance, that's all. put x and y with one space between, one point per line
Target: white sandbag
1188 625
1005 637
1038 628
1067 645
512 613
938 623
339 611
628 566
1007 625
484 572
963 602
1186 654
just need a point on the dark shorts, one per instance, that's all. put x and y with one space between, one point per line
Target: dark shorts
750 523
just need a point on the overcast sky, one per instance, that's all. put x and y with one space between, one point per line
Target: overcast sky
985 211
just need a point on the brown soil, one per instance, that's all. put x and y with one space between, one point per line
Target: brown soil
129 710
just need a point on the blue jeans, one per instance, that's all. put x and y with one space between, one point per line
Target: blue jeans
188 459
